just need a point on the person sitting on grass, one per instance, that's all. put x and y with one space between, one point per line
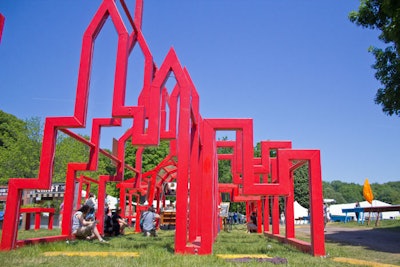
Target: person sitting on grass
252 225
84 229
108 224
149 218
118 223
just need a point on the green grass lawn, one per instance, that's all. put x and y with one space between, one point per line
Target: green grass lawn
159 251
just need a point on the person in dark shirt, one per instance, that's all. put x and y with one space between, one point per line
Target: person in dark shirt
118 223
108 225
252 225
357 213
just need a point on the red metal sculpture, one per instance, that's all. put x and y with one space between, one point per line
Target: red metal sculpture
194 166
2 19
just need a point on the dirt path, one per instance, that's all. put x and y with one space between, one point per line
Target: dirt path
370 238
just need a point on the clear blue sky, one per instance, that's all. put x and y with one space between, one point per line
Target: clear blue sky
299 69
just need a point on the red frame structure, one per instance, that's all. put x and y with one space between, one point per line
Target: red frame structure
172 115
2 19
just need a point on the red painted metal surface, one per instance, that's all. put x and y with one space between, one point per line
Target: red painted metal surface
169 114
38 212
2 19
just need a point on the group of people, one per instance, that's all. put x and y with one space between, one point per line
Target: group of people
234 218
114 224
84 222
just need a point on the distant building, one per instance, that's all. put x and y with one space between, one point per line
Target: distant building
3 196
56 191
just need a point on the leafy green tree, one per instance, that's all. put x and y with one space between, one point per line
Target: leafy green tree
388 192
350 192
394 192
257 150
224 166
224 171
301 186
68 150
384 15
20 144
329 192
107 167
152 156
238 207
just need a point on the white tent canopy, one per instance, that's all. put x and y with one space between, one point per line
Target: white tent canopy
337 209
112 202
299 211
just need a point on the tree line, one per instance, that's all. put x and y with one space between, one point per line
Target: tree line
350 192
21 143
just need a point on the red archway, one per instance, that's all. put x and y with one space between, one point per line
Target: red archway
193 150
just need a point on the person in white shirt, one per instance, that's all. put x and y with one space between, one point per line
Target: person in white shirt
84 229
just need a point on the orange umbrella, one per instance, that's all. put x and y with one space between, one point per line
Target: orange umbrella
367 192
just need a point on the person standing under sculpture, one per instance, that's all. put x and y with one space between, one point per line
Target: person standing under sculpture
326 215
